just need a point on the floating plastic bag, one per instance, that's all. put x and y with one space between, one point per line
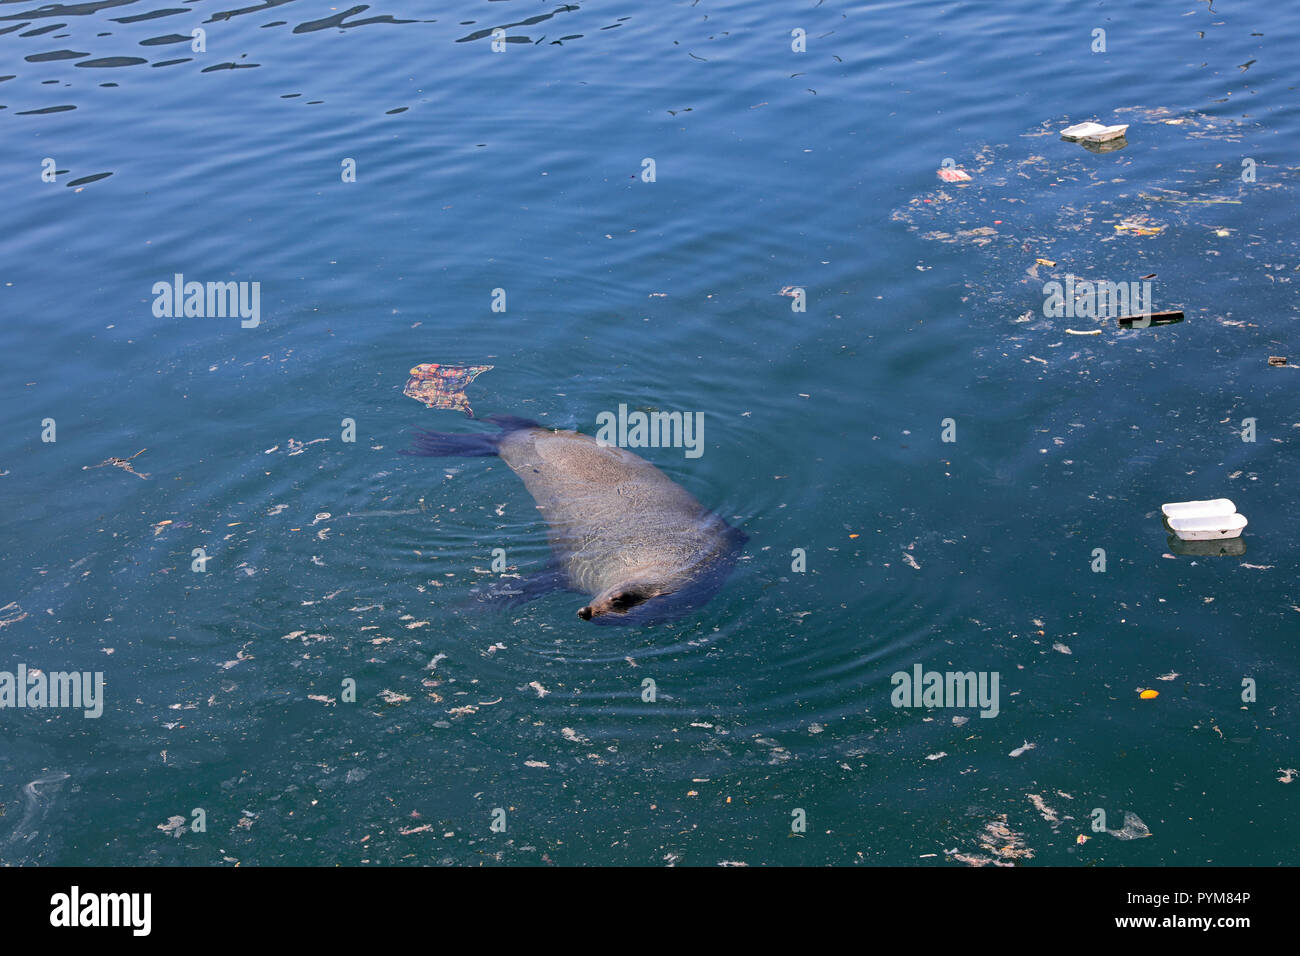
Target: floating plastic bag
443 386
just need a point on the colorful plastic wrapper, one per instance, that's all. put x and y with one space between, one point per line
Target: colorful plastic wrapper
443 386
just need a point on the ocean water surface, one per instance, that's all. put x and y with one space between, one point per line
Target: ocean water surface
647 186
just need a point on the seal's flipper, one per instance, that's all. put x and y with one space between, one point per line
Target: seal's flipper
448 445
510 592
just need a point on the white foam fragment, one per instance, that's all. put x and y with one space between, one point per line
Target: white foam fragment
1208 528
1213 508
1093 132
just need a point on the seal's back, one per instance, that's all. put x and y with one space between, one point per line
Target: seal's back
619 528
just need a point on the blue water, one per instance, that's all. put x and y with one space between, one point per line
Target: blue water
522 170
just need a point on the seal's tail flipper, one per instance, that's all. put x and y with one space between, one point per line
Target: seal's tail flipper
448 445
451 445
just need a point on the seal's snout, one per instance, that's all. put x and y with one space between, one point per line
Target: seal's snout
585 613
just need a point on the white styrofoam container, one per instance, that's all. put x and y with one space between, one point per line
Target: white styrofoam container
1214 508
1094 132
1207 528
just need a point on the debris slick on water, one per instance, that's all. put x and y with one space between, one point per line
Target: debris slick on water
1138 226
1001 846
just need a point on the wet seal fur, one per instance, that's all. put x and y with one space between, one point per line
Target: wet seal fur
619 528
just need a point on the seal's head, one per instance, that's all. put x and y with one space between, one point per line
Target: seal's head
652 593
621 598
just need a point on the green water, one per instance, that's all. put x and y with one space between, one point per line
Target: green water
524 171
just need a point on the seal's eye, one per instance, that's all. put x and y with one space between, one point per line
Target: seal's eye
624 600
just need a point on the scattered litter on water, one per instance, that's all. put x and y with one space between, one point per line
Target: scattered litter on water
1138 226
298 447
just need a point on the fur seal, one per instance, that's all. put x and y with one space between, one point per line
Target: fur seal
620 529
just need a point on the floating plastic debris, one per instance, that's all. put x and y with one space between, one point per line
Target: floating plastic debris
1206 529
1133 829
951 175
1198 509
123 463
443 386
1093 132
11 613
1203 520
1142 321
